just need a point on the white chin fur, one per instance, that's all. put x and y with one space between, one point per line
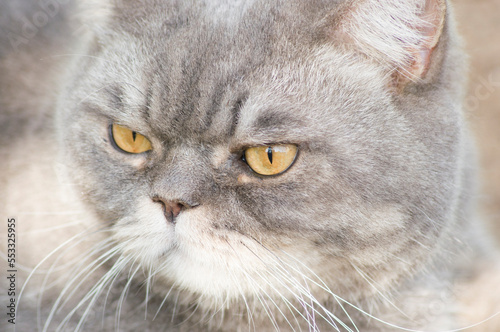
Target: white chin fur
194 256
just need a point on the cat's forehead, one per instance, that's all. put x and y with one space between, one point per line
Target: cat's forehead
219 95
227 12
191 88
216 81
172 15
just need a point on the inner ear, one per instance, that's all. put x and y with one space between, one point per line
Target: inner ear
431 28
399 35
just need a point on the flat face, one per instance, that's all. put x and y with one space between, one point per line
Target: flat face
248 151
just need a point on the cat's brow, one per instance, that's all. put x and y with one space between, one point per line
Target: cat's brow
235 115
115 93
116 98
148 102
272 120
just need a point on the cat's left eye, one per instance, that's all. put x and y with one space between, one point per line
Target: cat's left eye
271 159
128 140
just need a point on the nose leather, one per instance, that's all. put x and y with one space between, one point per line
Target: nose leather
171 209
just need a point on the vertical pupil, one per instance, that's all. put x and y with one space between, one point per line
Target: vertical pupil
270 154
134 135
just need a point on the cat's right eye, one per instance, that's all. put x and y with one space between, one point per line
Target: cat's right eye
128 140
271 160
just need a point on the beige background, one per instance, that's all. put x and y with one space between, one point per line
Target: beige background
479 23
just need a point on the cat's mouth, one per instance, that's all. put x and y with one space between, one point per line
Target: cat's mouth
191 254
223 266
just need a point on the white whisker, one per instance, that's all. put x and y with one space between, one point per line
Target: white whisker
371 282
102 245
163 301
124 294
57 306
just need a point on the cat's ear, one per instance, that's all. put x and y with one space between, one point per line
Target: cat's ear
400 34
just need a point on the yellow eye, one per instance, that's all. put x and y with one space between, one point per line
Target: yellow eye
128 140
271 160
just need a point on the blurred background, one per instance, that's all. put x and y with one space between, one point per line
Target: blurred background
479 24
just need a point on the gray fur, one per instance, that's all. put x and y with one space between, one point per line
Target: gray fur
375 217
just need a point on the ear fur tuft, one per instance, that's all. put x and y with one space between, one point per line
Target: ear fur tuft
400 34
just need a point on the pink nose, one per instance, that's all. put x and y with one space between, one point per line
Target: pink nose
171 209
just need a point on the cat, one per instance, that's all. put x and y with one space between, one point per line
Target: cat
216 165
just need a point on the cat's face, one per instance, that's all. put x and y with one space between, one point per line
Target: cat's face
368 190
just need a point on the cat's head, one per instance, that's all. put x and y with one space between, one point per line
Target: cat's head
234 148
